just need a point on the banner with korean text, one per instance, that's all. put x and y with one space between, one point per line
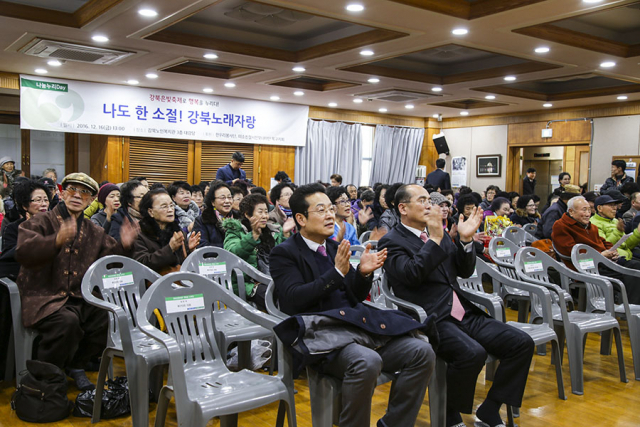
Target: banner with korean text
82 107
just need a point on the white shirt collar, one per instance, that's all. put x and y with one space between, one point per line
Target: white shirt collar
313 245
415 231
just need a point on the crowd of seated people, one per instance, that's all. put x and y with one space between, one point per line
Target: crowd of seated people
301 236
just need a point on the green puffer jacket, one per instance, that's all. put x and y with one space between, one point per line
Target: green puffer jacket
240 242
608 230
93 208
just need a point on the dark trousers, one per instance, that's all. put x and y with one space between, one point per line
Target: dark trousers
359 367
71 336
631 283
464 346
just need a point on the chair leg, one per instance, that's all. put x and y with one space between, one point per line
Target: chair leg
559 329
11 359
523 311
163 405
605 343
244 355
510 421
321 394
138 371
102 373
229 420
618 337
490 369
438 395
555 357
541 350
574 351
633 323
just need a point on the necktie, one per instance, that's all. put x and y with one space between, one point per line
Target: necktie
322 251
424 237
457 310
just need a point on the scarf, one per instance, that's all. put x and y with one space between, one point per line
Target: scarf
286 211
134 214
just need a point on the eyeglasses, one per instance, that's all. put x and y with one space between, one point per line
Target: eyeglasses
137 197
83 193
168 207
40 200
342 202
322 210
237 199
422 201
285 195
223 198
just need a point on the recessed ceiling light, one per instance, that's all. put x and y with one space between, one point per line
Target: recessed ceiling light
333 104
510 78
608 64
490 97
132 82
229 84
207 90
355 7
299 69
436 89
409 106
210 56
622 97
274 98
542 49
151 75
436 116
358 100
100 39
459 31
54 63
298 93
464 113
374 80
149 13
366 52
547 105
382 110
41 71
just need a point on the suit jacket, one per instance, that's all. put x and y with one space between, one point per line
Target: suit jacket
228 174
439 179
528 186
425 273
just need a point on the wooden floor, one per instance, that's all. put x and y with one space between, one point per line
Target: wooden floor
606 401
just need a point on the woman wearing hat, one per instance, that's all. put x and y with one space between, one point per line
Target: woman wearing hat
445 207
9 174
526 212
109 197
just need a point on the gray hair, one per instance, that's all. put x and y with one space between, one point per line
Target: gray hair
572 201
47 170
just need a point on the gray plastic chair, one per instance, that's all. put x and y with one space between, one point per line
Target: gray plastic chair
324 390
230 326
588 260
376 296
541 333
364 236
438 384
530 228
532 265
502 251
21 341
201 384
122 282
518 236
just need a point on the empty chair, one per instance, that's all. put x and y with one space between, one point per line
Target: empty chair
518 236
121 282
588 260
21 343
218 264
201 384
532 265
531 229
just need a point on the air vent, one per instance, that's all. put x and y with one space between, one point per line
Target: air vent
43 48
396 95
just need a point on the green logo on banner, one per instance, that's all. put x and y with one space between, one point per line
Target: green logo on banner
56 87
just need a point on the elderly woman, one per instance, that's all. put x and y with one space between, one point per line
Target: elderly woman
131 194
526 211
280 195
497 217
217 209
186 209
162 245
445 207
109 197
9 174
252 239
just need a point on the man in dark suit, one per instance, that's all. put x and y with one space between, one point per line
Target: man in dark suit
312 274
422 264
439 178
529 182
232 172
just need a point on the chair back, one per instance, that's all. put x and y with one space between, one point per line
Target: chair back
530 228
503 252
220 266
474 282
121 282
272 303
516 234
588 260
364 236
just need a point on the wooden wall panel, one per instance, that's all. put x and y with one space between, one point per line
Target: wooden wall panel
25 140
106 158
564 133
271 159
70 153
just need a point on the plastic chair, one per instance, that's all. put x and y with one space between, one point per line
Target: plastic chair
541 333
502 251
325 390
202 386
588 260
438 384
530 228
122 282
518 236
21 341
364 236
376 297
218 264
532 265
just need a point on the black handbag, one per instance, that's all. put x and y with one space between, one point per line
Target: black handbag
41 396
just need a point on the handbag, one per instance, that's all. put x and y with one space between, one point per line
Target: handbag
546 246
41 396
262 258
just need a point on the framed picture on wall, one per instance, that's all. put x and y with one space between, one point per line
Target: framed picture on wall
489 165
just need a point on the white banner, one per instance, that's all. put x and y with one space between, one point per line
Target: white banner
458 172
82 107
